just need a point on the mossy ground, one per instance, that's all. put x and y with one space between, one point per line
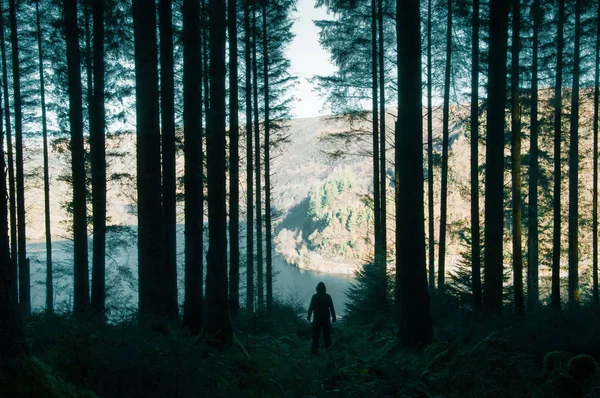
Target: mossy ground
500 357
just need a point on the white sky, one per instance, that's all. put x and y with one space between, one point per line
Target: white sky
308 58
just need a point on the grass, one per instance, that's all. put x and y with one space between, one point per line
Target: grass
473 357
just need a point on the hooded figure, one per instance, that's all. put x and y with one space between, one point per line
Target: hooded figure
322 305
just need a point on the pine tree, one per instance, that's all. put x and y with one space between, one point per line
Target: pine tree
445 148
218 321
475 230
533 240
167 109
249 163
516 159
150 254
234 161
81 280
412 297
430 189
382 152
48 232
193 181
595 183
12 337
376 140
260 296
267 151
555 297
574 168
11 168
492 299
98 160
23 263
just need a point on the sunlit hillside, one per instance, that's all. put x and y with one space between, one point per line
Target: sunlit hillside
336 236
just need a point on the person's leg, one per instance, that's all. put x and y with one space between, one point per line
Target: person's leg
327 334
316 335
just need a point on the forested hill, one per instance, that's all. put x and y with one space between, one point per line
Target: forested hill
322 187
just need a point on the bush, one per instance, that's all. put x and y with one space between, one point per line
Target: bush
32 378
363 301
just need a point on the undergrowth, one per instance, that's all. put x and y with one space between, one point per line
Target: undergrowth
506 356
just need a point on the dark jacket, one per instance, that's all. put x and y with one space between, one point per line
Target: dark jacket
321 304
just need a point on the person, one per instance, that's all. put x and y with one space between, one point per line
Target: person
322 306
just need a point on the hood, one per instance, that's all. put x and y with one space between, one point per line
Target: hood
321 289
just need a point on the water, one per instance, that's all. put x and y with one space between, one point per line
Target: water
290 284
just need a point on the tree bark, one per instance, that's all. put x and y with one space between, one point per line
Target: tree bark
259 243
167 110
249 164
193 182
555 296
98 152
48 232
80 255
268 229
430 198
494 181
574 169
412 298
475 230
150 254
533 241
12 337
516 161
382 158
375 127
595 187
24 277
445 144
218 321
11 169
234 162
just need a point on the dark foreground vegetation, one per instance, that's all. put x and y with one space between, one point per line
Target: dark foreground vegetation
542 355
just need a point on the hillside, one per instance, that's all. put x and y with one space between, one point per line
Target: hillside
320 227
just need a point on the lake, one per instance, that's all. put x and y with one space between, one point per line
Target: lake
290 284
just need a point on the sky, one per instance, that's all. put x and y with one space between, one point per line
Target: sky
308 59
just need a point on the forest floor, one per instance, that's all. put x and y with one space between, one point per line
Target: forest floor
534 356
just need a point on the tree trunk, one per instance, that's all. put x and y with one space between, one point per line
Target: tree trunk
234 162
12 337
375 127
382 158
445 144
218 321
249 163
595 200
11 169
516 161
268 230
167 109
574 169
494 181
533 250
49 279
412 298
206 51
259 243
555 297
24 278
150 254
98 152
430 198
80 254
193 182
475 231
